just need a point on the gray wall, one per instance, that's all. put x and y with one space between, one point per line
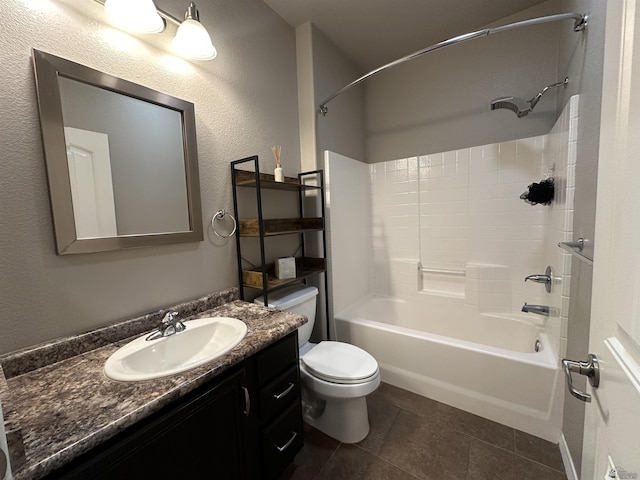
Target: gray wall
342 130
440 101
582 59
245 102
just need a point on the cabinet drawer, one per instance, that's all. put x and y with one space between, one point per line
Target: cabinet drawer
277 358
282 440
279 393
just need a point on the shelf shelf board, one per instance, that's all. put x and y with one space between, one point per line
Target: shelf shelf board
246 178
305 267
280 226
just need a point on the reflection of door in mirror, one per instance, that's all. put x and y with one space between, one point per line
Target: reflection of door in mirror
91 183
145 152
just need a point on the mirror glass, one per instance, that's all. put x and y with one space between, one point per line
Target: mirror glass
121 160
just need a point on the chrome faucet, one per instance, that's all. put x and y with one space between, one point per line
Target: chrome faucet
539 309
539 278
169 325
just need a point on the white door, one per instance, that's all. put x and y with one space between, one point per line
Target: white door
612 421
91 183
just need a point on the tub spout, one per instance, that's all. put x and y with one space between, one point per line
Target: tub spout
539 309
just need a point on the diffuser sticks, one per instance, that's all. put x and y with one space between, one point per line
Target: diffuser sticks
277 173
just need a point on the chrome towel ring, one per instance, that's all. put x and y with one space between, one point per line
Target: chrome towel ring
219 215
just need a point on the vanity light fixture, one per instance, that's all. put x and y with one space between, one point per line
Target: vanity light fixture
192 40
139 16
142 16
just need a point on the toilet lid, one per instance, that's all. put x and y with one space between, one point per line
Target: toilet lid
340 362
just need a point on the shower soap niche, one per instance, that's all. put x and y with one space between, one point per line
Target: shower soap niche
442 282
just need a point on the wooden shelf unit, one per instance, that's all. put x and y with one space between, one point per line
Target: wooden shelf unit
305 267
245 178
280 226
262 277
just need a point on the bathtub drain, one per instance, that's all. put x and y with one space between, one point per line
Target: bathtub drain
538 346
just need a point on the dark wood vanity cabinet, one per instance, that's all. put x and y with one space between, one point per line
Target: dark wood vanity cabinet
276 379
199 436
246 423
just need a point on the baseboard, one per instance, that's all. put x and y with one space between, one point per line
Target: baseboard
569 467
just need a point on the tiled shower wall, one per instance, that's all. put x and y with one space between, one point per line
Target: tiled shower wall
452 224
448 210
458 216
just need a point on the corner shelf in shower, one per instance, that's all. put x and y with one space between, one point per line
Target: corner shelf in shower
262 277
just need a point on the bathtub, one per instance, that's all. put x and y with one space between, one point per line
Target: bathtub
483 363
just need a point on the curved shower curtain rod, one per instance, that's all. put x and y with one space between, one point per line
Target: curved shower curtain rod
579 25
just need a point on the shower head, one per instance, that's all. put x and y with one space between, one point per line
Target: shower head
520 106
517 105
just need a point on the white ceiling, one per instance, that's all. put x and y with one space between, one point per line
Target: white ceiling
374 32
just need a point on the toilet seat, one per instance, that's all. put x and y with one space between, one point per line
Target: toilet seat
340 363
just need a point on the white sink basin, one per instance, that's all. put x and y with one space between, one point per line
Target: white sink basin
204 339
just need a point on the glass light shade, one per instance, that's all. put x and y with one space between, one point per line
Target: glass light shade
192 41
139 16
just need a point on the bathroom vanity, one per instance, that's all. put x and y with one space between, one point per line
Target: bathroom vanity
238 416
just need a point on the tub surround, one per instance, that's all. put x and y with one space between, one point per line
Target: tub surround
59 404
449 238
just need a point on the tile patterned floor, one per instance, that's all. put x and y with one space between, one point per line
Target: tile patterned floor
413 437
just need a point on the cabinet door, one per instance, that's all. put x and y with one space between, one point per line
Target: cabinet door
201 438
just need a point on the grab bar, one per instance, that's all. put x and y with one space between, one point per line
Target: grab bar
575 249
442 271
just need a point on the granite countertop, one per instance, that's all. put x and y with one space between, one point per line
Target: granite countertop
57 411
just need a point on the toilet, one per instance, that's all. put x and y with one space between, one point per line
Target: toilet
336 377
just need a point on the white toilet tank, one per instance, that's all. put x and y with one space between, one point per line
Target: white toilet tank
300 299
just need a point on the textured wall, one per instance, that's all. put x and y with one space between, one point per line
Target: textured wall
245 101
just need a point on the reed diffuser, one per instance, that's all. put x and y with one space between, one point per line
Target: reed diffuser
277 173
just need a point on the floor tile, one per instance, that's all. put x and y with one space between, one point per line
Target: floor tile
418 446
488 462
350 462
381 470
317 449
406 400
539 450
412 438
479 427
382 414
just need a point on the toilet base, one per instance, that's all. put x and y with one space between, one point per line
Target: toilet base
346 420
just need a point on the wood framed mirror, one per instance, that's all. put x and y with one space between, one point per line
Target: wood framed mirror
121 158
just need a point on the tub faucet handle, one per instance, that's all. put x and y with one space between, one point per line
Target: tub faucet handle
539 278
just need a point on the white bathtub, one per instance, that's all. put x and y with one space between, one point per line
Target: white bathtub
485 363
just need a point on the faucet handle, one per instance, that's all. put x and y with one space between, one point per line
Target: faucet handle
170 318
539 278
